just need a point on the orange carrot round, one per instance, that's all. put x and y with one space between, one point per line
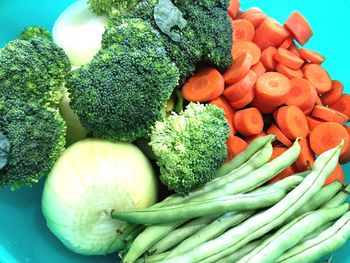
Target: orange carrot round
306 157
345 157
268 58
239 89
259 69
300 28
234 8
294 49
273 87
222 103
270 33
239 68
327 136
235 145
342 105
311 56
254 15
287 58
313 122
328 114
288 72
302 94
334 94
273 129
244 46
319 101
205 85
290 170
262 106
318 77
292 122
248 121
336 175
242 30
287 43
245 100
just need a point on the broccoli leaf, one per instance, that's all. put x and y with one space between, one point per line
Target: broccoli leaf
167 16
4 150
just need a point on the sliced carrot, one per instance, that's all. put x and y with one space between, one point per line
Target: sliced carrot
254 15
245 100
342 105
292 122
294 49
345 157
336 175
251 138
273 129
243 46
268 58
306 157
334 94
205 85
238 90
327 136
328 114
222 103
302 94
287 43
290 170
309 110
287 58
259 69
299 27
313 122
239 68
311 56
319 101
318 77
242 30
273 87
288 72
262 106
270 33
233 8
248 121
235 145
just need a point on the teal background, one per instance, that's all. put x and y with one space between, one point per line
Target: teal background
24 236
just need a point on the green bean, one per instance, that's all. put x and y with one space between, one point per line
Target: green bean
338 199
317 232
181 233
241 158
260 224
152 258
324 244
212 230
290 234
195 209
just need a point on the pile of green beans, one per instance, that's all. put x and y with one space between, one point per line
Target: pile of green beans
238 218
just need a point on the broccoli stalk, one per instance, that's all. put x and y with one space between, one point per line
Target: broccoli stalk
190 146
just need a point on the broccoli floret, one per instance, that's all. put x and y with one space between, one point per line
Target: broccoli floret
190 146
33 70
37 138
124 90
111 7
34 31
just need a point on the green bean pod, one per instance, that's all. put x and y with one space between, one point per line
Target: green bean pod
318 231
248 152
181 233
292 233
324 244
260 224
152 258
338 199
195 209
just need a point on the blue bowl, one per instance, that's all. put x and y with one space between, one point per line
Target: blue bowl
24 236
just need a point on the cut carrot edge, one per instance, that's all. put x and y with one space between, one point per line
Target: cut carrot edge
313 122
334 94
233 8
244 46
279 135
239 89
306 157
259 69
342 105
235 145
288 58
302 94
311 56
249 121
242 30
222 103
245 100
318 77
328 114
239 68
254 15
336 175
268 58
300 28
288 72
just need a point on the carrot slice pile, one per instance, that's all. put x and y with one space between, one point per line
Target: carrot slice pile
259 69
313 122
328 114
287 58
222 103
249 121
312 56
268 58
302 94
239 89
299 27
342 105
254 15
234 8
242 30
288 72
279 135
318 77
239 68
334 94
244 46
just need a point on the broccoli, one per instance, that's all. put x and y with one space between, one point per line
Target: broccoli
34 31
37 138
123 91
190 146
33 70
111 7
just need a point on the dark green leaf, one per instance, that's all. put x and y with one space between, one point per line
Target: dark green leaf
4 150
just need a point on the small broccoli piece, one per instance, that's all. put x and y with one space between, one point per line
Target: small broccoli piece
124 90
37 138
111 7
34 31
190 146
33 70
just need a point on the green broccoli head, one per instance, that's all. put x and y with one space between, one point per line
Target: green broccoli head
37 138
190 146
34 31
124 90
111 7
33 70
